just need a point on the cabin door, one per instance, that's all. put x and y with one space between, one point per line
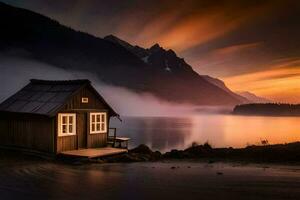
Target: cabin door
82 131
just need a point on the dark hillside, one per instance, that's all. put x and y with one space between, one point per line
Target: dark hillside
48 41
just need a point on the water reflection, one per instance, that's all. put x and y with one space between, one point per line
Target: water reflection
165 133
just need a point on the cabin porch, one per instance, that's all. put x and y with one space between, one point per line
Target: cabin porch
115 145
94 152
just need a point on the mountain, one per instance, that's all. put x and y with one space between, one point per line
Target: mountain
167 60
156 56
222 85
160 72
253 98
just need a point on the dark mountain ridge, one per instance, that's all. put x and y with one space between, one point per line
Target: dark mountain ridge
167 60
156 56
48 41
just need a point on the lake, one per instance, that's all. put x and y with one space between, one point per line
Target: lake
29 179
220 130
26 177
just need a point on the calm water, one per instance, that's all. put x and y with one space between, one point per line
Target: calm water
25 177
166 133
30 180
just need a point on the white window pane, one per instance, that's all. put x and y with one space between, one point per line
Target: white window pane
70 128
97 122
64 128
64 119
66 124
70 119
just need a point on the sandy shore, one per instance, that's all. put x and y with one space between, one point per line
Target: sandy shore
37 179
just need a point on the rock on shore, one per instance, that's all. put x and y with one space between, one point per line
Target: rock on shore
266 153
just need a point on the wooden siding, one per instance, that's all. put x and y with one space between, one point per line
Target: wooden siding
81 130
93 102
39 132
98 139
82 111
28 133
66 143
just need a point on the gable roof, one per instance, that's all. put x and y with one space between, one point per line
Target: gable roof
46 97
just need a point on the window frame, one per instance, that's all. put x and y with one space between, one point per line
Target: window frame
84 100
67 124
96 122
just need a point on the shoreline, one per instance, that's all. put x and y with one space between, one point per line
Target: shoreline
263 115
268 109
286 154
278 153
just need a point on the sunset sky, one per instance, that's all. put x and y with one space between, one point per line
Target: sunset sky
251 45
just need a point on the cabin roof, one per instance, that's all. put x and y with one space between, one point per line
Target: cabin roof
46 97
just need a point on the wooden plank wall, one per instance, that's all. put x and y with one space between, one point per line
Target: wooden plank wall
31 133
40 133
75 102
66 143
97 140
76 106
81 129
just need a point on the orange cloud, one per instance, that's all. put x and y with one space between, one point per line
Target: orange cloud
189 26
279 83
234 49
230 60
196 30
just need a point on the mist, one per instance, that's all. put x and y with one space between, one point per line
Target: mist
16 72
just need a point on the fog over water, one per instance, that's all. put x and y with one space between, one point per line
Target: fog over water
16 72
161 125
220 130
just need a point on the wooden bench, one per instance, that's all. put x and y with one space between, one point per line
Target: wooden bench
114 141
122 140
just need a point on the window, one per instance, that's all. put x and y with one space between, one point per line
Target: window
66 124
84 100
98 122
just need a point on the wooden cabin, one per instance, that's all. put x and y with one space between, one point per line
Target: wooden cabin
55 116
